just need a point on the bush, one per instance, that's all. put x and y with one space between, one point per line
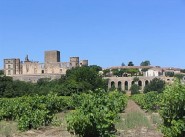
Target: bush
33 112
148 101
97 114
155 85
173 110
134 89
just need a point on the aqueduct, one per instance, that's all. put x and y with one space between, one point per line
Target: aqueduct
125 83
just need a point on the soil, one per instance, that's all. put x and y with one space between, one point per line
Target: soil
141 131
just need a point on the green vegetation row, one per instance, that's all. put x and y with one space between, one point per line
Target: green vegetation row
33 112
76 80
171 106
92 114
97 114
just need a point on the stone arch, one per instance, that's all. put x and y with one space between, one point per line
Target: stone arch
112 84
146 82
140 84
126 85
119 85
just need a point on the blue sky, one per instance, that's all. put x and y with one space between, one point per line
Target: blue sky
106 32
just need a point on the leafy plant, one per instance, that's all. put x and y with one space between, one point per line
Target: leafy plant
97 113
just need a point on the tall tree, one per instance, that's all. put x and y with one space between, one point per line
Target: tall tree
130 63
155 85
145 63
122 64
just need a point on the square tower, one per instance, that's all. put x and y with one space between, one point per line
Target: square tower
52 56
12 66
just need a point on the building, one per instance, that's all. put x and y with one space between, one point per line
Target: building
154 72
12 66
33 70
52 56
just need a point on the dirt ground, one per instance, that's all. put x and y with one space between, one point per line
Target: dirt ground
141 131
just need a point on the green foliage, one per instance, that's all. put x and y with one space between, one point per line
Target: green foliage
179 76
169 74
155 85
134 89
97 113
173 110
148 101
136 79
85 78
182 70
77 80
145 63
33 112
106 72
1 72
119 72
132 71
122 64
130 63
96 68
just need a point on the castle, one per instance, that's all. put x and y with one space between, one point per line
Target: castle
33 70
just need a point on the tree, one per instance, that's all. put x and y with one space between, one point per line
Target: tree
130 63
106 72
172 110
179 76
155 85
122 64
1 72
95 67
134 89
182 70
145 63
132 71
169 74
84 78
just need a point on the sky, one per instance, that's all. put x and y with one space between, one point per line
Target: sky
106 32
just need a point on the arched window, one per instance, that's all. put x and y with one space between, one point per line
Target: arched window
126 85
112 84
119 85
146 82
140 84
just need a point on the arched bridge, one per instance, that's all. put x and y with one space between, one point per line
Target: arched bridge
125 83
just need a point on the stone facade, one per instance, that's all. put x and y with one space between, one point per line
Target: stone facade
52 56
125 83
33 70
12 66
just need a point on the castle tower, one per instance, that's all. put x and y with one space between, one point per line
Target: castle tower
83 63
74 61
12 66
52 56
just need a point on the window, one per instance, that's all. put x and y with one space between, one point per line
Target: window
9 72
9 66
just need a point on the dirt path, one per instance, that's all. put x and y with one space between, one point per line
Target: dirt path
141 128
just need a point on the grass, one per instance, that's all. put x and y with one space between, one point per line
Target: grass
7 128
156 119
133 120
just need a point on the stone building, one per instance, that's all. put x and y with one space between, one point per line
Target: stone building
12 66
52 56
33 70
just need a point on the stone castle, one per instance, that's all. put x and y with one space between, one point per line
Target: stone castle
33 70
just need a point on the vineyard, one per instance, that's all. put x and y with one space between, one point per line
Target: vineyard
170 105
91 110
94 111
